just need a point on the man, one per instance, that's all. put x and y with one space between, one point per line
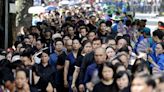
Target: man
88 60
91 72
21 82
143 83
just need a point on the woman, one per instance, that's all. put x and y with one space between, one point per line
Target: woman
44 73
86 49
160 57
110 52
122 80
70 63
106 74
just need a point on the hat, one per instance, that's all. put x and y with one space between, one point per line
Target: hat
116 18
146 30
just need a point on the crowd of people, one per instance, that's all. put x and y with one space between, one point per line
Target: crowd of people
78 50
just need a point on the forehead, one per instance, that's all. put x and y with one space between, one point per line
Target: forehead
20 74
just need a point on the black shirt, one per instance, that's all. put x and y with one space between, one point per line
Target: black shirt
101 87
47 74
88 59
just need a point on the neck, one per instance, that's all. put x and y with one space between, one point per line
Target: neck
108 82
20 90
44 64
58 52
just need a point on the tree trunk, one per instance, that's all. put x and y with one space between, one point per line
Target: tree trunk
2 18
22 16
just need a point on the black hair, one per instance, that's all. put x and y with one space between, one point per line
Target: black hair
124 49
139 66
23 70
109 38
122 73
58 40
159 34
108 64
97 39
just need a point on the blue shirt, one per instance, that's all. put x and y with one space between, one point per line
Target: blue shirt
89 73
160 61
53 58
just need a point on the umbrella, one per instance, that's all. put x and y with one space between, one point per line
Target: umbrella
64 2
50 8
36 9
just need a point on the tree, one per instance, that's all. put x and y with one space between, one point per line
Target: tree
22 16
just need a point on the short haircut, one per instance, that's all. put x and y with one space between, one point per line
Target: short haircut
108 64
159 34
97 39
23 70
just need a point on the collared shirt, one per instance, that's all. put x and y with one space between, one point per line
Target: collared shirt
46 74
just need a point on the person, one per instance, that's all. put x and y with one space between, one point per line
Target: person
91 73
60 56
106 74
123 81
160 57
160 85
86 49
88 60
91 35
110 51
44 73
143 83
70 63
21 82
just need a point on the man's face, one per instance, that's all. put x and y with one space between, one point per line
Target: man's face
25 60
96 44
121 43
59 46
20 79
100 56
91 36
139 85
160 87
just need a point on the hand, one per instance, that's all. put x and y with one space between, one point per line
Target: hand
81 88
49 88
155 70
66 84
74 89
90 86
26 87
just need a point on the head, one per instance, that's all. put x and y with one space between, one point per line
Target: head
122 80
158 35
45 56
106 71
102 27
83 31
87 46
143 83
58 44
91 35
21 78
70 30
159 48
96 43
100 55
111 42
110 51
68 45
39 44
76 44
119 67
121 43
160 85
